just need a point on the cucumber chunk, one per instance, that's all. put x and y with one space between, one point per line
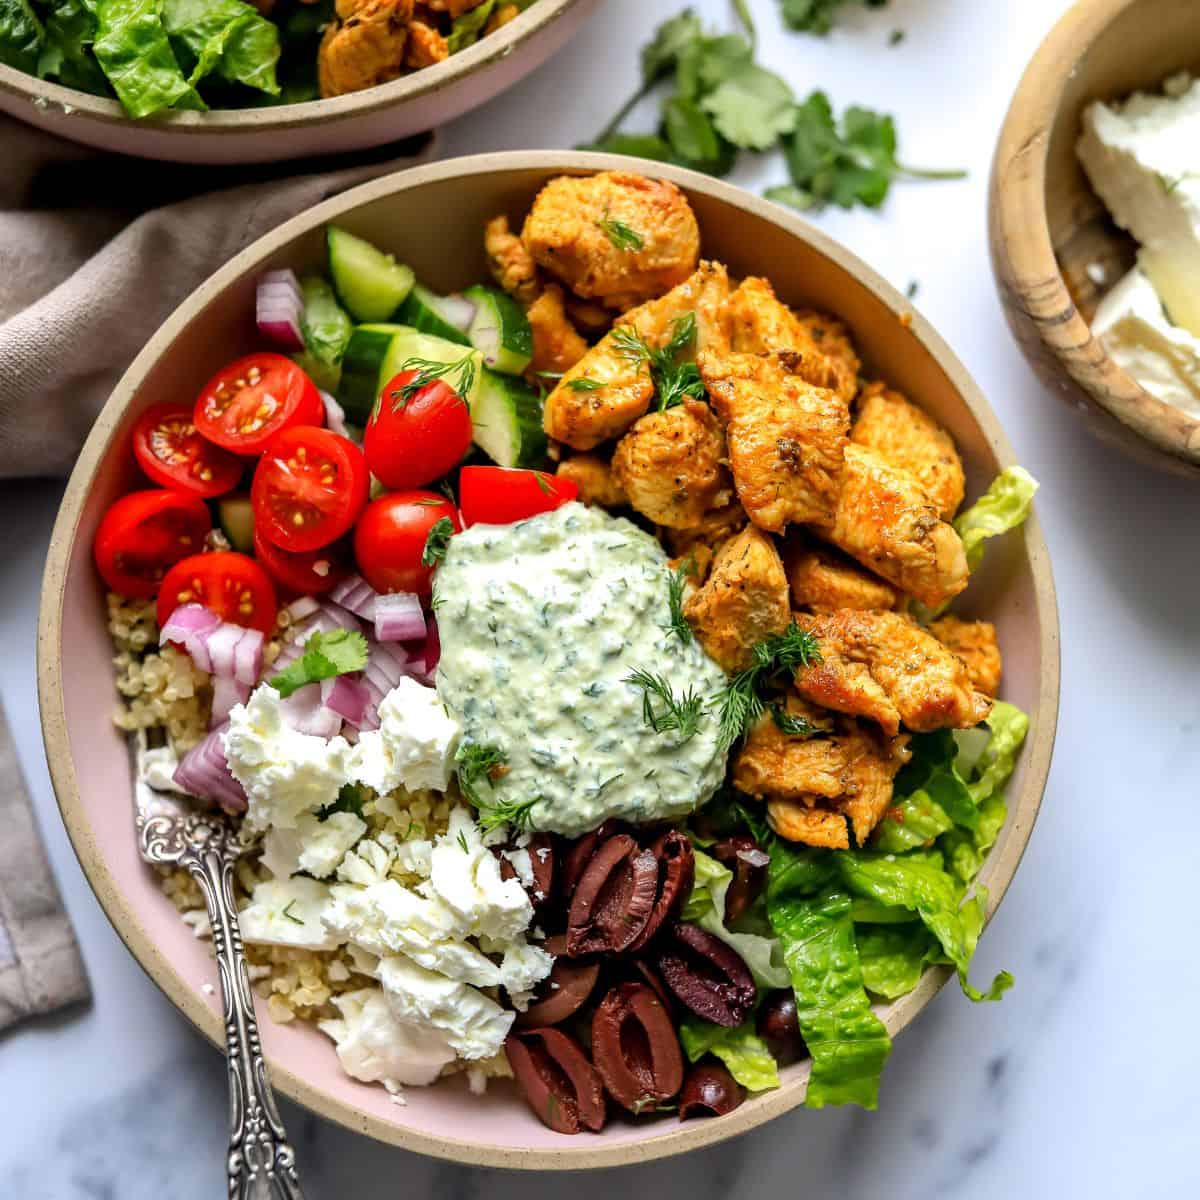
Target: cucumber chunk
372 285
236 518
500 330
506 420
443 316
324 323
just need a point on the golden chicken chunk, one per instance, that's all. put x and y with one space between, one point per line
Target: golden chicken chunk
795 821
670 465
883 666
744 600
614 236
975 643
511 265
602 395
426 46
772 763
364 45
824 580
557 345
595 479
716 527
910 438
786 438
759 323
885 521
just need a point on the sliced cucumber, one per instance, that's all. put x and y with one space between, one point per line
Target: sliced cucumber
324 324
236 518
325 375
378 352
506 421
500 330
371 284
443 316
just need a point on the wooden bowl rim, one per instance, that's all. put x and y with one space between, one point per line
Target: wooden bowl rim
311 113
1018 204
581 1152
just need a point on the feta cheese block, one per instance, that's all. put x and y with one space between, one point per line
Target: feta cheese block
289 912
1143 160
414 745
315 847
1134 329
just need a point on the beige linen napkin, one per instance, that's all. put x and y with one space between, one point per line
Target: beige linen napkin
95 251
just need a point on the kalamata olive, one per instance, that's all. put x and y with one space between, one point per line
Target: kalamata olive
649 976
748 862
706 975
564 992
613 899
709 1091
558 1083
676 873
779 1027
576 855
635 1047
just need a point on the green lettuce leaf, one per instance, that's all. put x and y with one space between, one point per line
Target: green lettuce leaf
467 29
933 769
894 957
67 54
21 36
135 54
743 1052
225 37
1004 506
911 823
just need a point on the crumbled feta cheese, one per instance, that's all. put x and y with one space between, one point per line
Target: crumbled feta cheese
196 919
156 768
288 912
285 773
415 857
368 863
208 989
315 846
522 864
523 968
377 1048
414 744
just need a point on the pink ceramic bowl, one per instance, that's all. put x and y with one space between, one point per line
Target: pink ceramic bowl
414 104
88 759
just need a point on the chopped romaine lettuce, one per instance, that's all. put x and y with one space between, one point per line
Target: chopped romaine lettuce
135 54
467 29
67 55
21 36
743 1052
1004 506
894 957
227 37
912 823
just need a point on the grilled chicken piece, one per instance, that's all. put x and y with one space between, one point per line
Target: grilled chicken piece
774 764
670 465
908 437
759 323
557 345
744 600
795 821
885 521
426 46
511 265
583 415
883 666
595 479
975 643
365 45
786 438
824 580
716 527
614 236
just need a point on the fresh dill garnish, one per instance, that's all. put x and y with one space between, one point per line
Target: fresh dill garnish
741 703
621 235
793 726
461 370
287 912
539 477
675 587
682 715
438 542
478 764
673 380
584 384
428 502
462 842
598 790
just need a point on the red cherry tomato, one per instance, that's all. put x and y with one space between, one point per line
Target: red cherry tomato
169 449
143 534
501 495
232 585
309 487
390 537
308 573
411 440
245 405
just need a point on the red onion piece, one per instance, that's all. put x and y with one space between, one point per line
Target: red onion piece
305 711
430 652
278 306
457 310
357 596
248 655
298 610
226 693
189 626
204 772
215 646
399 618
335 416
348 697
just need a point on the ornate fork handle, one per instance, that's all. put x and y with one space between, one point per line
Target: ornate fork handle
261 1163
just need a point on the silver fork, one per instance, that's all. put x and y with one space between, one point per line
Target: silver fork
261 1164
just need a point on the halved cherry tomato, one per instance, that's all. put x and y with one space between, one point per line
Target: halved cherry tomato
308 489
171 451
245 405
501 495
411 440
232 585
143 534
309 573
390 537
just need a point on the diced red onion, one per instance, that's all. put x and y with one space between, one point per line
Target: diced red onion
248 656
755 857
278 305
304 607
204 772
335 416
215 646
386 663
189 626
226 693
431 651
356 595
328 618
399 618
348 697
457 310
305 712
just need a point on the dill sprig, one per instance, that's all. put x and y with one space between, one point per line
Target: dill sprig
583 384
676 584
793 726
682 715
673 380
462 370
622 236
479 764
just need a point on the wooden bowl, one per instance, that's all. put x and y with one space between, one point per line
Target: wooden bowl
89 761
1047 227
413 104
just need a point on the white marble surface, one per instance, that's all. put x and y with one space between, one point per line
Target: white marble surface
1083 1081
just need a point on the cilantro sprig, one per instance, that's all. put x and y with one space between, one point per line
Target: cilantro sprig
326 654
818 16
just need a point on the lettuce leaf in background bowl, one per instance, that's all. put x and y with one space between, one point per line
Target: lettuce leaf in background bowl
21 36
134 52
225 37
